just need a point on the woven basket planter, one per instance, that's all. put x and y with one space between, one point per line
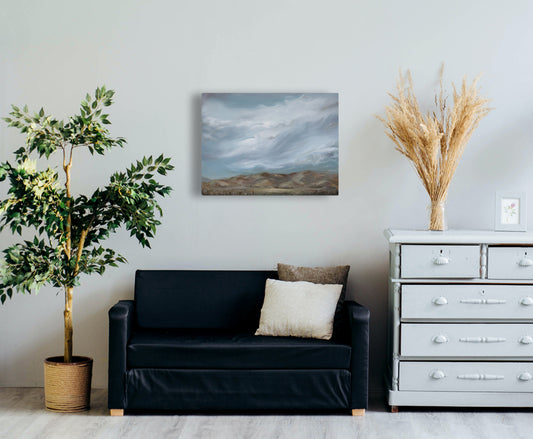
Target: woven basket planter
67 386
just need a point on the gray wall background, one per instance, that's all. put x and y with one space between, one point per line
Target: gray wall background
160 55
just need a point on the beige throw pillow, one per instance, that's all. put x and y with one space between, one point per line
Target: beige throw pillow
319 275
298 309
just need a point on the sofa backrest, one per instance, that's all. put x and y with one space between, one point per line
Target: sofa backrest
200 299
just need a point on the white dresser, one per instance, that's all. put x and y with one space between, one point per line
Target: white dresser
460 318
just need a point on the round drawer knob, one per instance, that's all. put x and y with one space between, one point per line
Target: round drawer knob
526 339
440 339
525 262
442 260
527 301
440 301
525 376
437 375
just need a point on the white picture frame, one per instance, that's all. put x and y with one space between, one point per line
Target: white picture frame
510 213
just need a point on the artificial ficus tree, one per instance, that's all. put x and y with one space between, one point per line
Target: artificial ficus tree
69 230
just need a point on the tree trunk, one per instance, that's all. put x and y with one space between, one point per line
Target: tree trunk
67 355
68 325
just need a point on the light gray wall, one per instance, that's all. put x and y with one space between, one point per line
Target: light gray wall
160 55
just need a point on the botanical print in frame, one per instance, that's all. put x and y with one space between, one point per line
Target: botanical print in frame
270 144
510 212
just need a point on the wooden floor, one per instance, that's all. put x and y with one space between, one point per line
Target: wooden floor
22 416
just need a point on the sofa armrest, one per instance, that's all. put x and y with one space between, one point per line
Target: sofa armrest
359 318
120 326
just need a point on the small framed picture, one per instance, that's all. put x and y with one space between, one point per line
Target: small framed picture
511 211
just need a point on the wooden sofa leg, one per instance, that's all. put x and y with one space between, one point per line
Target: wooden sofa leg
358 412
116 412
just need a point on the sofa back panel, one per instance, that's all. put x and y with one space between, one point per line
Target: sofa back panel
199 299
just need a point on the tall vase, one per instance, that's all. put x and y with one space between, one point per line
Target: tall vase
437 219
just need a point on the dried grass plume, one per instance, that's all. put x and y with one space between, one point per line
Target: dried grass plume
434 142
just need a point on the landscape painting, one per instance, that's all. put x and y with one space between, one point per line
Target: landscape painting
270 144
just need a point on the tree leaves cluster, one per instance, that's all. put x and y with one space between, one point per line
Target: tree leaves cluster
69 231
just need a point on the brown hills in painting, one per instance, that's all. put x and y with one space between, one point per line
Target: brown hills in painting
266 183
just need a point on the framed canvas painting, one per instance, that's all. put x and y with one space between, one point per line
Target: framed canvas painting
270 144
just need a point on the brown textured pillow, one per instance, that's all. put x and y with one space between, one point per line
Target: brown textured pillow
318 275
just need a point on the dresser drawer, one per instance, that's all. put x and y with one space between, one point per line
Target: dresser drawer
466 377
466 340
510 263
441 261
467 302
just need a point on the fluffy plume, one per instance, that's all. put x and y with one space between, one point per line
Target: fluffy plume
434 142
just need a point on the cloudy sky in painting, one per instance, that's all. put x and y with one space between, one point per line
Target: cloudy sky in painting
248 133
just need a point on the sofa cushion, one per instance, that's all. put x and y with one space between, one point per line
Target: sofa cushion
199 299
215 350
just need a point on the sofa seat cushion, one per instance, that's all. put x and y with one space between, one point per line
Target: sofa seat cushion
210 350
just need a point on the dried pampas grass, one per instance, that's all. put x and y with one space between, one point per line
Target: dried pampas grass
434 142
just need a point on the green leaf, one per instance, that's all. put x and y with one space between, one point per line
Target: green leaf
36 203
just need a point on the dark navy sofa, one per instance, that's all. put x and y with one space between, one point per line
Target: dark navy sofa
186 342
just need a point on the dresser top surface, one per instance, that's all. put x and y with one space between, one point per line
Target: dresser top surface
457 237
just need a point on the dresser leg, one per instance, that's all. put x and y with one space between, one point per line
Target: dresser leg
358 412
116 412
394 409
